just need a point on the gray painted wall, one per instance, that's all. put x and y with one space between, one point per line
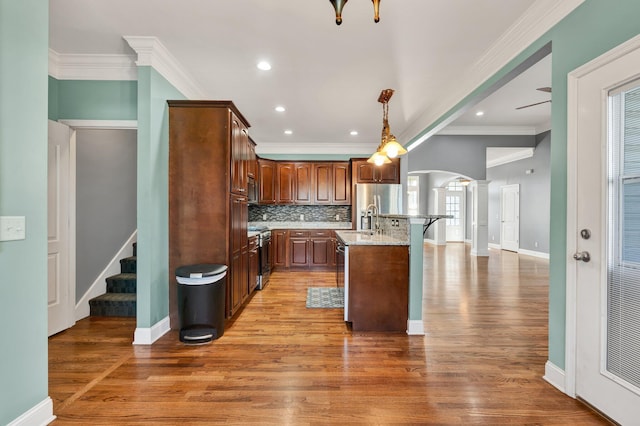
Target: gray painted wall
534 196
464 155
105 199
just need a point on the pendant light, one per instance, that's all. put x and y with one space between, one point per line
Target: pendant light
338 5
389 146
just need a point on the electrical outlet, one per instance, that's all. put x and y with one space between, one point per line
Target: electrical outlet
535 244
264 216
301 217
493 238
337 217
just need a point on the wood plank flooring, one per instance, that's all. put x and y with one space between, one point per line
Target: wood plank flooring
480 363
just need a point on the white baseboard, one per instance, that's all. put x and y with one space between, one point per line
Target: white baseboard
555 376
99 286
430 241
39 415
415 328
495 246
146 336
534 253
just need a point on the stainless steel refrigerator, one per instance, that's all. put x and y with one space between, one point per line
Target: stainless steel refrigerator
386 197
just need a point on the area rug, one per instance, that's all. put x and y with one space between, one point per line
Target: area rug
325 297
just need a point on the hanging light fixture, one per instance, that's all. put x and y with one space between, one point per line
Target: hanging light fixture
339 4
389 146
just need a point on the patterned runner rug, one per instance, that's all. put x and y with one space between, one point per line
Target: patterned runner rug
325 297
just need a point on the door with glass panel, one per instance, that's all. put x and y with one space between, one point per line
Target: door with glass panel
454 206
607 239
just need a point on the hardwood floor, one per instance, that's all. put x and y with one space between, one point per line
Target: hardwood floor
481 361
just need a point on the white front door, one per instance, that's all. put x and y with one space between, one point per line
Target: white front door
61 289
603 269
510 217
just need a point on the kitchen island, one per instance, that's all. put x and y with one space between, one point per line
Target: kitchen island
376 280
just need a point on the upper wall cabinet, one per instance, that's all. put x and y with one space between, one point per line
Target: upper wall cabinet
304 182
364 172
240 148
267 181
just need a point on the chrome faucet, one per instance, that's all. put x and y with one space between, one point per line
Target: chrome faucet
374 210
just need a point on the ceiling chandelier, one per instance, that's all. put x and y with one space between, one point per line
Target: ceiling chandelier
339 4
389 146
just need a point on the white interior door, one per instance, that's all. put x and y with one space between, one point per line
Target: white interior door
604 238
61 285
510 217
454 206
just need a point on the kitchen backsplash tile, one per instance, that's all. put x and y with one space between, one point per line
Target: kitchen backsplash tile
298 213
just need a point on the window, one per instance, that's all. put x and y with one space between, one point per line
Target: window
623 234
413 194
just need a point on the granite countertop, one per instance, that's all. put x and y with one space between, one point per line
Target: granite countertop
252 233
361 238
418 216
303 225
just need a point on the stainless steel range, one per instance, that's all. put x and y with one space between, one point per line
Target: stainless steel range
264 254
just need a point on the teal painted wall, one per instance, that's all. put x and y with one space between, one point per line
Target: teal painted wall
24 27
93 99
153 196
589 31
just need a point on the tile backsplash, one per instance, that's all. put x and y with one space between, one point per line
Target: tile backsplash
299 213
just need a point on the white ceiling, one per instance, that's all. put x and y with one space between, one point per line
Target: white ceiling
328 77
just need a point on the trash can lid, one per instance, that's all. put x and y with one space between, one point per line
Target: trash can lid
200 270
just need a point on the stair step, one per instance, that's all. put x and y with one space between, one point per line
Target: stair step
128 265
122 283
113 305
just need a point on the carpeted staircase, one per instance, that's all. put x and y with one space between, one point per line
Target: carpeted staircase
120 298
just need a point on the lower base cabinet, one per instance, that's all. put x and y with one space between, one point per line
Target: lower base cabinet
304 249
378 288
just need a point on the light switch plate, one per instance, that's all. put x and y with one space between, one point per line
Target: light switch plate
12 228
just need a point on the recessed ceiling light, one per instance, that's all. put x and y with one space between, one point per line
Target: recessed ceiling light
354 133
264 65
280 108
480 113
288 132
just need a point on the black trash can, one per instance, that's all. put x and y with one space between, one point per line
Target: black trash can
201 299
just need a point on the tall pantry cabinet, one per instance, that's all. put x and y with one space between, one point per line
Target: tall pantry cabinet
208 207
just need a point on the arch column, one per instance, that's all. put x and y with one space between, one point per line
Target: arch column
440 227
480 218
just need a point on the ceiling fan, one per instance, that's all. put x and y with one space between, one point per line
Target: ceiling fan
542 89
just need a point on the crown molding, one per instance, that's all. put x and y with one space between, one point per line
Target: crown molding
514 155
151 52
102 124
533 24
315 148
91 67
488 130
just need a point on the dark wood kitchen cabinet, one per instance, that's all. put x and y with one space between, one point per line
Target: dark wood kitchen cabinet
252 160
364 172
239 271
297 249
280 240
240 147
341 194
285 183
309 182
267 181
322 249
207 211
323 183
254 263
